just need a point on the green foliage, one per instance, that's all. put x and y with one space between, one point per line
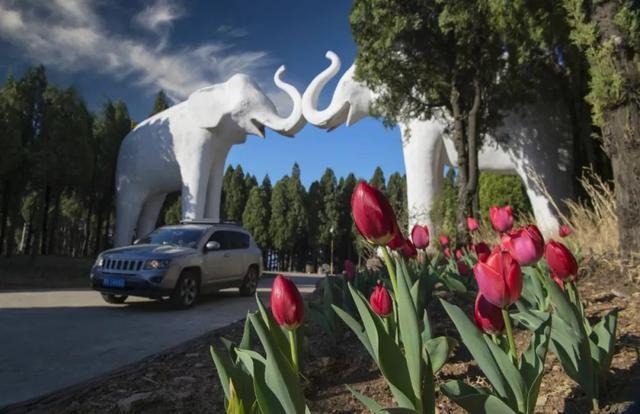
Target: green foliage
500 190
377 180
173 210
160 104
236 194
256 216
397 193
444 208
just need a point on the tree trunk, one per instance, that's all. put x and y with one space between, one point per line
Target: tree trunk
105 240
621 131
54 223
45 219
87 228
98 232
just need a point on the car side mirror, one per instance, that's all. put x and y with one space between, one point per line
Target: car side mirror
212 245
136 241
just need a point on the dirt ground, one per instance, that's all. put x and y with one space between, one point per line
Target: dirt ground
183 380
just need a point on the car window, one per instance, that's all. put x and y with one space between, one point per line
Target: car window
231 239
176 236
223 238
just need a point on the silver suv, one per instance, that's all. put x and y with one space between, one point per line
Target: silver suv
180 262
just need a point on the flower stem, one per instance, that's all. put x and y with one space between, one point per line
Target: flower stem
293 343
596 405
391 269
512 343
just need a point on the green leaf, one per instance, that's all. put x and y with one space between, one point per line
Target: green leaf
266 399
532 363
370 403
605 331
279 374
356 328
510 372
474 400
278 335
386 353
410 333
438 350
245 342
474 341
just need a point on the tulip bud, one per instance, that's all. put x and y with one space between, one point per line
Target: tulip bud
463 269
420 236
488 316
380 301
444 241
409 250
499 279
472 224
526 245
349 269
501 218
397 241
558 280
372 214
482 251
287 306
560 260
564 230
447 253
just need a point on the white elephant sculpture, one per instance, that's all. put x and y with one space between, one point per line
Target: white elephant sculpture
536 137
185 147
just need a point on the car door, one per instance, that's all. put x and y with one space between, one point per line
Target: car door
217 263
239 263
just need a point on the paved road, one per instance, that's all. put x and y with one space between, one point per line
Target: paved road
53 339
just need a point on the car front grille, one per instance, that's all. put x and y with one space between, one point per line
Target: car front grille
115 265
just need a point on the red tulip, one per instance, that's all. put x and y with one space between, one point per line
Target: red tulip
501 218
564 230
380 301
488 316
287 306
444 241
560 260
499 279
408 249
420 236
559 281
397 241
472 224
463 269
526 245
482 251
447 253
372 214
459 253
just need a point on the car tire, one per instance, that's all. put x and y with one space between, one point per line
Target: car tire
250 282
114 299
186 291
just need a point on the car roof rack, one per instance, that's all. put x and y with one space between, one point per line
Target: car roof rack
208 221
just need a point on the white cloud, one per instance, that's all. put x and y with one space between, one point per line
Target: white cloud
70 35
232 31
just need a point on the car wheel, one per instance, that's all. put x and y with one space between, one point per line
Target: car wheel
186 291
115 299
250 282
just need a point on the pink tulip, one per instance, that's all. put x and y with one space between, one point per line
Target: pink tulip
372 214
526 245
488 317
499 279
287 306
380 301
420 236
560 260
472 224
501 218
564 230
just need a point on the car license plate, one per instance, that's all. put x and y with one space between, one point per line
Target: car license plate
113 282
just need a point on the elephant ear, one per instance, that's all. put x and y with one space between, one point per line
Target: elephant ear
207 106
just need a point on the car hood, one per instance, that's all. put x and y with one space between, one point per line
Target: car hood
151 251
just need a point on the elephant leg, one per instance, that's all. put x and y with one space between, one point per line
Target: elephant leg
129 203
195 177
424 160
150 212
543 210
214 187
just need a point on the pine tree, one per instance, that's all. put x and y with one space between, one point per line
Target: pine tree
160 103
329 228
267 187
256 217
349 236
377 180
279 228
297 215
397 193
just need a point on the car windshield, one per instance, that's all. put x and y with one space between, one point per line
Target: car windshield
178 236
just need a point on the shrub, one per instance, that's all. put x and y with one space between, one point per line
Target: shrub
499 190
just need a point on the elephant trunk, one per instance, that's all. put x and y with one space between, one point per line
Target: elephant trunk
290 125
336 113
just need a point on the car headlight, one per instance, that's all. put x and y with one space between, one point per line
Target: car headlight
155 264
99 261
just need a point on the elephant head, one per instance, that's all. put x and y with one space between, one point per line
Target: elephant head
240 107
350 102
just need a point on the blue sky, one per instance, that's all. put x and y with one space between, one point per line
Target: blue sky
128 50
